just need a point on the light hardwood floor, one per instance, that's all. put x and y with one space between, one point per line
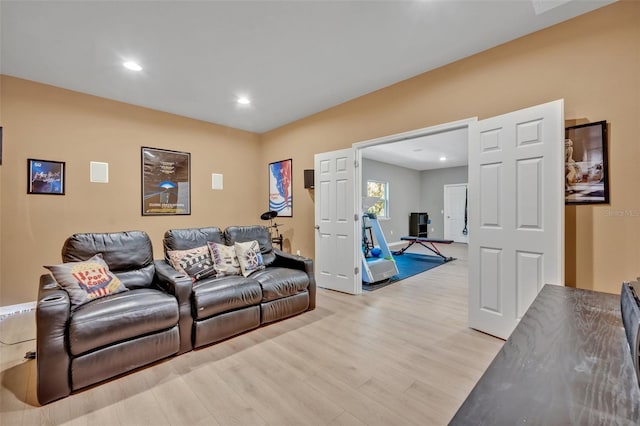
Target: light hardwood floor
401 355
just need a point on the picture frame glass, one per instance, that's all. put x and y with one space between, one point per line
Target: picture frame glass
280 188
586 166
45 177
166 182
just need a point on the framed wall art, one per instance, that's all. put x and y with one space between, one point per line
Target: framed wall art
586 167
166 177
280 188
45 177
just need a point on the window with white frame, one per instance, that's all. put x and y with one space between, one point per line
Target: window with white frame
379 190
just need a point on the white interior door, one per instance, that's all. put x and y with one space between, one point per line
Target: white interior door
454 212
516 206
336 220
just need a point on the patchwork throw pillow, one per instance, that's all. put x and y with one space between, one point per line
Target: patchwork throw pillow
225 260
176 256
86 280
198 266
249 257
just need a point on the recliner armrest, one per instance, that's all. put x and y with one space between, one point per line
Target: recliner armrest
172 281
180 286
52 359
288 260
292 261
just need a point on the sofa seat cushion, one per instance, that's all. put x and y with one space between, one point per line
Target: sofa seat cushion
120 317
280 282
212 296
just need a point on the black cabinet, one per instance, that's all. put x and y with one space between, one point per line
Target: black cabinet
418 224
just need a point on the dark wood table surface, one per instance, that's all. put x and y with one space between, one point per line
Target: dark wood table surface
566 363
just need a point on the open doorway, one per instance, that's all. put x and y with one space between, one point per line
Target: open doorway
414 169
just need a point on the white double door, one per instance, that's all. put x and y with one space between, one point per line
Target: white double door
337 256
516 200
515 215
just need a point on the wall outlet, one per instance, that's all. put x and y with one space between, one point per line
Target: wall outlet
433 229
391 232
298 252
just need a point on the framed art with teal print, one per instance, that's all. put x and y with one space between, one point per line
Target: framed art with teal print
280 188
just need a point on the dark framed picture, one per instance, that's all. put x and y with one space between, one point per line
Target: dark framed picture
586 167
280 188
45 177
166 177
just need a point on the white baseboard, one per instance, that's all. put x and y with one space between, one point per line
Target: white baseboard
16 309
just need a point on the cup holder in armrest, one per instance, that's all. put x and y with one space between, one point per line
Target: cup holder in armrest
52 298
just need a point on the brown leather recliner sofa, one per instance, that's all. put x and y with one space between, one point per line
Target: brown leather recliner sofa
221 307
161 312
79 345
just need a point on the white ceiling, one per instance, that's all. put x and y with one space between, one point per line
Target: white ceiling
292 58
424 153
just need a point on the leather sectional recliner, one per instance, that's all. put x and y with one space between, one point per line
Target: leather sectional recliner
225 306
163 312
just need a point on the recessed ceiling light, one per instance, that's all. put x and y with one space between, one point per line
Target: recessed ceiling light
132 66
443 158
243 100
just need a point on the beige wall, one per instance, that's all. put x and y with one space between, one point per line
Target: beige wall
48 123
592 61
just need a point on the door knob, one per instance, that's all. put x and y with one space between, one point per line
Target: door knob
317 227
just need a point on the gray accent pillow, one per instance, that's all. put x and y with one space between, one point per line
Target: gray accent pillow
224 258
198 266
176 256
249 257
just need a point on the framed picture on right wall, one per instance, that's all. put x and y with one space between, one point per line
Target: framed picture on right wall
585 164
280 191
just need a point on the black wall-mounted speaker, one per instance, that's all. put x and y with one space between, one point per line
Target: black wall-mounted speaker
308 179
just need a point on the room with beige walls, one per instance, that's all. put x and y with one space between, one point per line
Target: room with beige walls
592 61
49 123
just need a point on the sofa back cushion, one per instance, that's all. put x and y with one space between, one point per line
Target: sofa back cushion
129 254
189 238
242 234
